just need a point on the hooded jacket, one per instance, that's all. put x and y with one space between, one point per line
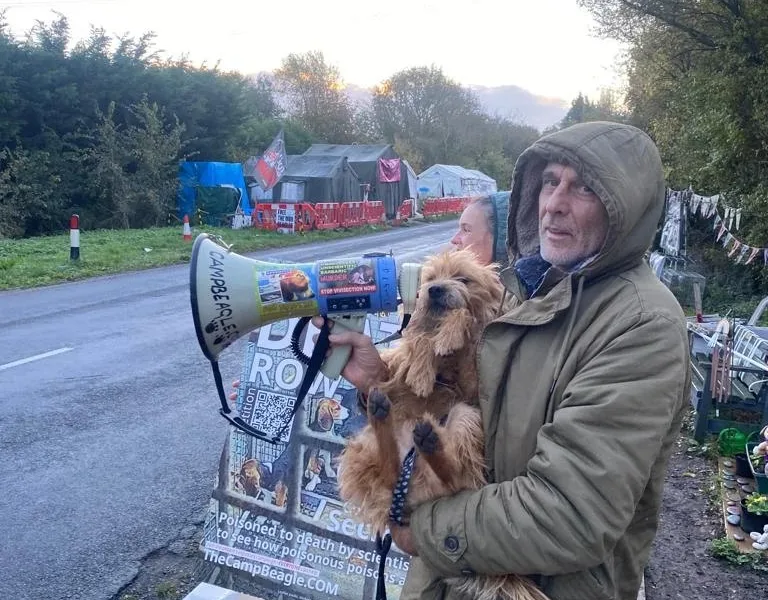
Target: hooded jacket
582 389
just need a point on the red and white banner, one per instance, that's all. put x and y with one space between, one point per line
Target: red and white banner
268 169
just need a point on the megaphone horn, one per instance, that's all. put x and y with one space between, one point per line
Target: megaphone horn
231 295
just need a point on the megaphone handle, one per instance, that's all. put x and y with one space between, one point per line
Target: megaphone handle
339 356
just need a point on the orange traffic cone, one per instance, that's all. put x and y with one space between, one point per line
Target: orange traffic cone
187 230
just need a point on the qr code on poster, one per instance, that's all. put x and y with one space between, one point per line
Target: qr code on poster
272 412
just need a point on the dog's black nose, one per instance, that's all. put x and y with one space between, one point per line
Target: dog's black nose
436 291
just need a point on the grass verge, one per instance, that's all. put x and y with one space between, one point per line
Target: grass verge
39 261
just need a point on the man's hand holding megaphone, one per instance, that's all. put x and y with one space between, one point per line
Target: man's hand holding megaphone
364 369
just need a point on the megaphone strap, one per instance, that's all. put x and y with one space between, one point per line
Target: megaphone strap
397 515
383 546
220 387
232 416
313 366
296 341
313 363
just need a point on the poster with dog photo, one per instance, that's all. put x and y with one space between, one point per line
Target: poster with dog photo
286 292
276 523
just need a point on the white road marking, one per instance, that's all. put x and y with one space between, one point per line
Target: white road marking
24 361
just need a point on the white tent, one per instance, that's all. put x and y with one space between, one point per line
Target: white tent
444 181
412 180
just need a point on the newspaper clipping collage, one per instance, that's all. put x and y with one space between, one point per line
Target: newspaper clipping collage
275 514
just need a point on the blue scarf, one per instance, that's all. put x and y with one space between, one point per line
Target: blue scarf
531 270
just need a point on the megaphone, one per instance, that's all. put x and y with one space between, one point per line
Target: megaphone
231 295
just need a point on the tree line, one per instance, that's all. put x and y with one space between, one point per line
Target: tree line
697 82
99 127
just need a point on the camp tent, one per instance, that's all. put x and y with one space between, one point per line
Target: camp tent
412 180
317 179
444 181
216 188
367 161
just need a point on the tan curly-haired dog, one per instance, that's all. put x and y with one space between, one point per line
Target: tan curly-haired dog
430 402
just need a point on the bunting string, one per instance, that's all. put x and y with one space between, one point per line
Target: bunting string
725 220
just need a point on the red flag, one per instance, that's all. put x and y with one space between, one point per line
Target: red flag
268 169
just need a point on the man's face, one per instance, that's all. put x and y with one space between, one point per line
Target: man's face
573 222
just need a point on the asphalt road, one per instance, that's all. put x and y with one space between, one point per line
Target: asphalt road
109 430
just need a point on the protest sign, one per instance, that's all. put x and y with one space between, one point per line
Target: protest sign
276 520
333 286
206 591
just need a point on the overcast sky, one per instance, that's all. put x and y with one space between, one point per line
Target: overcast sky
544 46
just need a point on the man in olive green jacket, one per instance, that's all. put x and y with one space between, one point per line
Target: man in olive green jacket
583 383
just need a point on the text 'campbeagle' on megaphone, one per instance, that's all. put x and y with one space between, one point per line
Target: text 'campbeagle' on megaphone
231 295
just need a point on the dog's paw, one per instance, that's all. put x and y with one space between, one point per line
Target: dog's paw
425 437
378 406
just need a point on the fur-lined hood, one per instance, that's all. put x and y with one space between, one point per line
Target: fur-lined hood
622 166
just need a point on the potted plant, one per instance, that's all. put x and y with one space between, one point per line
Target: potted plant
757 461
754 512
757 468
742 465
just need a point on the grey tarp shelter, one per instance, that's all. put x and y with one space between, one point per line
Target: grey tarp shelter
313 179
364 160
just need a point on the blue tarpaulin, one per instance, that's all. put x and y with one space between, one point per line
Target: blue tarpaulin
209 174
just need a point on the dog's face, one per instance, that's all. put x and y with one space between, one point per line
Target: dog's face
250 476
330 412
281 494
455 289
316 464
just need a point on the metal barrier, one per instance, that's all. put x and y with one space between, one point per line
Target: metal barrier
373 212
435 207
352 214
308 216
327 215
